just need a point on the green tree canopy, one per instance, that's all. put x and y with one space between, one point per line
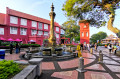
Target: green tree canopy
102 35
96 11
99 36
72 30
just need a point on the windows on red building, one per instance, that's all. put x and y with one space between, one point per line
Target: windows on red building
23 22
26 27
13 20
1 31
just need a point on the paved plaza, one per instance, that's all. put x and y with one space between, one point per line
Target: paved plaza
66 69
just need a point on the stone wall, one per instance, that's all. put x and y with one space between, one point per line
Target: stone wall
28 73
31 71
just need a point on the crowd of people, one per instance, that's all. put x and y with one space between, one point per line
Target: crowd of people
113 48
17 48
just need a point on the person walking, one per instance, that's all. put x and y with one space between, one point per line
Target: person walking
110 48
11 48
17 48
88 47
81 47
79 51
115 48
96 46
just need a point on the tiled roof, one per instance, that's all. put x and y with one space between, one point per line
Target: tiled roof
28 16
2 19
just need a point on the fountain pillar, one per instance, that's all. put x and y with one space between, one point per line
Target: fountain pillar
52 38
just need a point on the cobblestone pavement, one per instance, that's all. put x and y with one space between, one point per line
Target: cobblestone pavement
66 69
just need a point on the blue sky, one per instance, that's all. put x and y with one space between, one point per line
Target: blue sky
41 8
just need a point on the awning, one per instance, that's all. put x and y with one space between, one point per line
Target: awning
1 38
10 39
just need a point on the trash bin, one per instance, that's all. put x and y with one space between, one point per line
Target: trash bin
2 54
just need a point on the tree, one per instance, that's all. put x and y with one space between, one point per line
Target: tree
72 30
102 35
77 38
94 38
96 11
99 36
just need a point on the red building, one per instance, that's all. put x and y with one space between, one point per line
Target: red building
26 27
84 32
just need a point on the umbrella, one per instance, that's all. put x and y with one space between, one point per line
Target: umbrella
18 40
2 39
32 41
10 39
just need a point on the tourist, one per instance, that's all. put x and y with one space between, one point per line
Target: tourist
115 48
88 47
96 46
81 45
110 48
17 48
79 51
85 46
11 48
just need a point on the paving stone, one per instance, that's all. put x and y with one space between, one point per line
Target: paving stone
118 75
110 62
68 64
95 67
48 66
117 59
66 74
87 61
97 75
88 55
114 68
13 56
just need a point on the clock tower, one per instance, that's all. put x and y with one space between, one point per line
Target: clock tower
84 31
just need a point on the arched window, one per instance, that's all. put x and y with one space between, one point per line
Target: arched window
86 34
82 34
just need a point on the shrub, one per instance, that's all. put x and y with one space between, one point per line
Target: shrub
70 45
8 68
29 45
4 47
99 44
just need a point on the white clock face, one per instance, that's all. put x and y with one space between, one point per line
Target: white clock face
84 26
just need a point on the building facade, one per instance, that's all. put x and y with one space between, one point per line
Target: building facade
110 39
84 32
26 27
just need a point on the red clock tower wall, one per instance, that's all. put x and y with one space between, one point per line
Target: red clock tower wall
84 32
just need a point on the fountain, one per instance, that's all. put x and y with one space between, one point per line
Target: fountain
52 38
52 52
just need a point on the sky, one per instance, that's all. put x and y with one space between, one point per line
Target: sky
41 8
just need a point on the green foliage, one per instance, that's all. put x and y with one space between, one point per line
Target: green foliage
72 30
29 45
77 38
8 68
102 35
94 38
94 10
70 45
100 44
99 36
